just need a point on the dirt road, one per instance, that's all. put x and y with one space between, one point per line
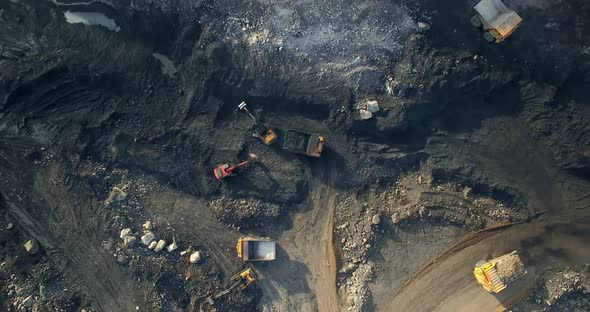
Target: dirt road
447 283
304 277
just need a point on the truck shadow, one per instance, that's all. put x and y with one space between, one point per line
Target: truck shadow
283 276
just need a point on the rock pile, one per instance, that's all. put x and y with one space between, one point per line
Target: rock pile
355 232
244 212
560 289
149 239
367 109
356 289
417 196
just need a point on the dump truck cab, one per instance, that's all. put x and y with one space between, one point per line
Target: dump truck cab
256 249
497 20
303 143
494 275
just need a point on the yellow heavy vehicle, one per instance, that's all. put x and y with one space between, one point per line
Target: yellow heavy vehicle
256 249
239 281
495 274
497 20
261 131
304 143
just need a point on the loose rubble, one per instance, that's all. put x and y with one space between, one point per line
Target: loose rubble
417 196
245 212
559 289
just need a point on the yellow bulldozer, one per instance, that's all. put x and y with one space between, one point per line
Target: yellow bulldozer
495 274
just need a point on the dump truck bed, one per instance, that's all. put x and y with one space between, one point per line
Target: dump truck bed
303 143
509 267
296 141
495 15
259 250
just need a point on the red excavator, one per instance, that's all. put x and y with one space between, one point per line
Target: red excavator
227 170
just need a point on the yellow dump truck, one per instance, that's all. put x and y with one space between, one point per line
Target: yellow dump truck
495 274
256 249
497 20
304 143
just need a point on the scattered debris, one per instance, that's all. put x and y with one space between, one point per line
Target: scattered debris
147 225
28 301
125 232
172 247
31 247
467 191
376 219
160 245
365 114
356 288
195 257
116 194
395 218
129 241
373 106
147 238
561 288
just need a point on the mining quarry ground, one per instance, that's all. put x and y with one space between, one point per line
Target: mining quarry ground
305 275
554 240
477 149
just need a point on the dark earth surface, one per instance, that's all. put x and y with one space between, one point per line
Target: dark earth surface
469 135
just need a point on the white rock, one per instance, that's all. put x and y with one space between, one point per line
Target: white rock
172 247
147 225
423 25
365 114
125 232
376 219
395 218
9 226
160 245
372 106
195 257
31 247
184 252
147 238
152 245
129 241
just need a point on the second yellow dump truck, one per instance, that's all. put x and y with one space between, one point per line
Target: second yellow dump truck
495 274
304 143
497 20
